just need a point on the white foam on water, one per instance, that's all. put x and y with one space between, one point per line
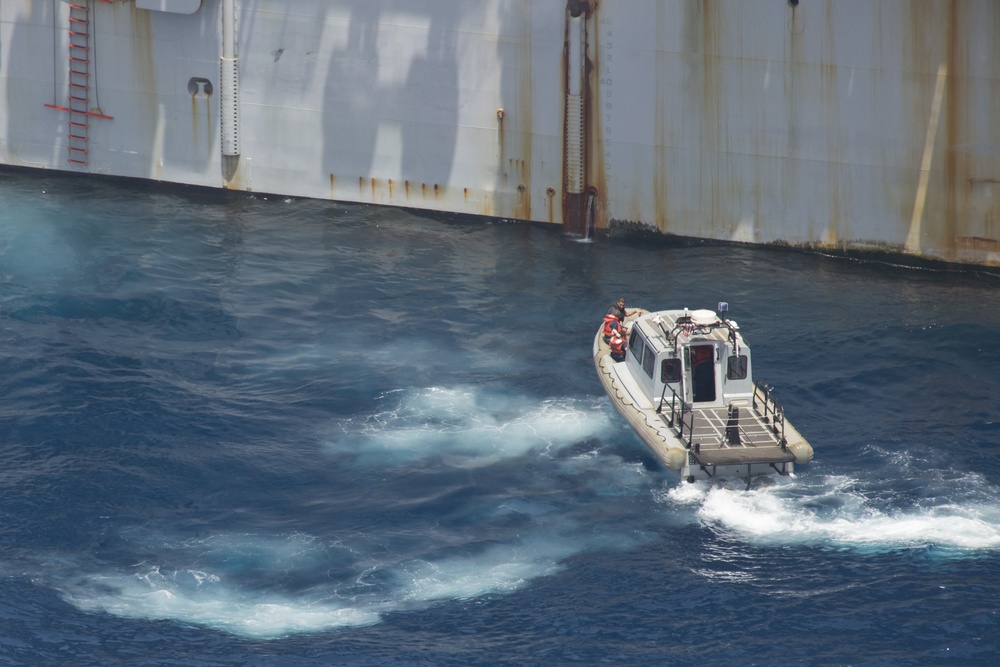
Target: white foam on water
205 599
272 586
466 426
267 586
501 568
217 598
835 511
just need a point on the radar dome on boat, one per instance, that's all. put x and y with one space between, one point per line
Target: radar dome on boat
702 317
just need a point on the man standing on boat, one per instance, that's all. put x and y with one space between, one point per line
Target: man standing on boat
621 311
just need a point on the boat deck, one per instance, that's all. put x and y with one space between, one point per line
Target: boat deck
716 440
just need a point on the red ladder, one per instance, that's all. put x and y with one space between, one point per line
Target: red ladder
78 82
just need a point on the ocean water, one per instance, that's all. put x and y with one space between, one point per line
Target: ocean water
251 430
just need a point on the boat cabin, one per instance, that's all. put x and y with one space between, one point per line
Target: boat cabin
692 355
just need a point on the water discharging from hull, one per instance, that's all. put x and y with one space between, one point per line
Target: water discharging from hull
589 220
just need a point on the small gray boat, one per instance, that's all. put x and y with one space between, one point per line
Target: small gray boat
686 387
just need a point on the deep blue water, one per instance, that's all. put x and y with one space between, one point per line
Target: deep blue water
261 431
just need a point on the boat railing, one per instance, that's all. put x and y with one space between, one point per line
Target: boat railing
681 415
770 411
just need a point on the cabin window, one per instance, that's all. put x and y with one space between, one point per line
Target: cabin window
635 340
670 370
736 369
648 360
636 345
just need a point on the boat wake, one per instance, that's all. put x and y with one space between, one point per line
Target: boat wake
302 583
457 493
464 426
844 512
454 493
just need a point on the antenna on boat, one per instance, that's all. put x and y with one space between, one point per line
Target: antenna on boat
723 308
732 326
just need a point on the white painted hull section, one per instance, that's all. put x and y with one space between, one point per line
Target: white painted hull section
829 124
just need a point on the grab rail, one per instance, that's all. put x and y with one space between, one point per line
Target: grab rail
772 412
686 417
681 415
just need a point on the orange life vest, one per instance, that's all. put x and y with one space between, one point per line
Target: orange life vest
608 321
617 343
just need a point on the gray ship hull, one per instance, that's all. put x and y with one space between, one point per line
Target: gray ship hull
837 125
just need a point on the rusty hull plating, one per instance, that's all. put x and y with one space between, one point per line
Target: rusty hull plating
822 124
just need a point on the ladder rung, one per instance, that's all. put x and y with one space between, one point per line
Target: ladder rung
78 60
78 85
80 7
78 150
83 162
74 124
79 112
76 33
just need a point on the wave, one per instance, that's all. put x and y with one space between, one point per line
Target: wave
316 591
497 491
466 427
846 512
473 530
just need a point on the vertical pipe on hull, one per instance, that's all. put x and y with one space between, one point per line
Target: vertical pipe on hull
574 108
229 83
575 145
